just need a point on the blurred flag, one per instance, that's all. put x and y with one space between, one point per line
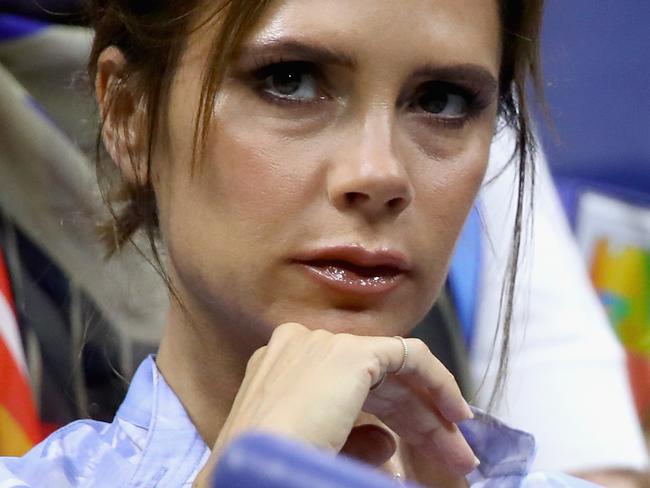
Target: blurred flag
20 427
615 237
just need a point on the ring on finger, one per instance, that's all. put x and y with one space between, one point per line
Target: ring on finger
405 355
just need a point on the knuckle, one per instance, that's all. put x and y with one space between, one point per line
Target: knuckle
448 381
321 334
346 341
374 369
369 366
449 377
255 358
286 331
444 382
419 347
317 340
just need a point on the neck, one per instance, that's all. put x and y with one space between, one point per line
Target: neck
204 366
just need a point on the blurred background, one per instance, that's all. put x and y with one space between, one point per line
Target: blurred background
73 327
597 86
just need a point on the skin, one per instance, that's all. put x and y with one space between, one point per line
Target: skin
361 163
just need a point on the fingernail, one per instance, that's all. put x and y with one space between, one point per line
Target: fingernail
477 462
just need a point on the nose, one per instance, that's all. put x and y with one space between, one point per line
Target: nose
366 176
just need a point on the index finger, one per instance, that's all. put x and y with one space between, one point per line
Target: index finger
418 363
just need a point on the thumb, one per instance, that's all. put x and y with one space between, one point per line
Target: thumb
371 444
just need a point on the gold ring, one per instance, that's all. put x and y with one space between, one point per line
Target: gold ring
404 357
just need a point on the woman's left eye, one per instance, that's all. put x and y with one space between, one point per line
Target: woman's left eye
293 81
444 100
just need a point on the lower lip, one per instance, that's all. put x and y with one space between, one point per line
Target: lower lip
344 280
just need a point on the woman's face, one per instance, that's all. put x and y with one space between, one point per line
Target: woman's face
349 141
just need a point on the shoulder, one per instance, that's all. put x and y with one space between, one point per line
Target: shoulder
83 453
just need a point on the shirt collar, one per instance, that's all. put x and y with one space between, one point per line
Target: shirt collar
173 450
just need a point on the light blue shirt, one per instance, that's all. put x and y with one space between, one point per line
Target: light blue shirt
153 443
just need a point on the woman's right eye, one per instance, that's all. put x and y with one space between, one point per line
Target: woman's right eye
290 81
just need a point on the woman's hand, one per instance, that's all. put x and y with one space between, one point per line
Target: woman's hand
311 385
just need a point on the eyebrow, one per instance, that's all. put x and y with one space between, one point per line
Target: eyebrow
296 48
472 73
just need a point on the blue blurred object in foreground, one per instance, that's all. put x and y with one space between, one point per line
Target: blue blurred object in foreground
257 460
263 461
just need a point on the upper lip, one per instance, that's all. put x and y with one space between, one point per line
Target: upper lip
358 255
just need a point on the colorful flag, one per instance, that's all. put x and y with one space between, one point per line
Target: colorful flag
20 427
615 236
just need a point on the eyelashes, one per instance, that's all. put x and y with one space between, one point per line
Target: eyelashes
447 103
289 82
292 83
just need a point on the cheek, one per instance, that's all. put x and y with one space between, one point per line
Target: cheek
253 176
244 181
444 194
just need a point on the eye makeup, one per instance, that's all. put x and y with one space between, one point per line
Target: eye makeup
467 88
289 73
294 82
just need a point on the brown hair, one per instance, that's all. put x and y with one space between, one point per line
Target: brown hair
151 35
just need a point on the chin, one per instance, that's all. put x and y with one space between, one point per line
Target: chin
354 320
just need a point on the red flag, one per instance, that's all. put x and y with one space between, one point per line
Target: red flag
20 427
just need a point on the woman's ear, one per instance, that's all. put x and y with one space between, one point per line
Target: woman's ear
122 116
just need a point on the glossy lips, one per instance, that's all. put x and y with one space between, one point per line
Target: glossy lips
353 269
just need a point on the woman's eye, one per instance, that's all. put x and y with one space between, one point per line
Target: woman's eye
290 81
444 100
